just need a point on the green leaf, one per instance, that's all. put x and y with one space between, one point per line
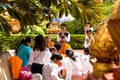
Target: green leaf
1 9
13 13
54 2
76 11
61 13
46 3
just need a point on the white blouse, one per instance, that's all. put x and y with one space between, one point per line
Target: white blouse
50 71
72 67
40 57
68 67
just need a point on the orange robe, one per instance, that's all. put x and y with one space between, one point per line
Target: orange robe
63 49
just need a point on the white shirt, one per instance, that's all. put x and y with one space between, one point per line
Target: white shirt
66 38
72 67
50 71
76 67
66 64
87 67
86 45
40 57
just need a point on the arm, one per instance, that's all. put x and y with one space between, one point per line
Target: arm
58 38
63 74
67 38
31 58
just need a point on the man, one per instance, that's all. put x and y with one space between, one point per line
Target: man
50 69
63 37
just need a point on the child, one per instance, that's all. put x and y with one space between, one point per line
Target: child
85 59
52 50
50 69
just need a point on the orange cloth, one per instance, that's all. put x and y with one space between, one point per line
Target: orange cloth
52 44
63 48
16 66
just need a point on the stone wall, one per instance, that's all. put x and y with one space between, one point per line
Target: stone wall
5 73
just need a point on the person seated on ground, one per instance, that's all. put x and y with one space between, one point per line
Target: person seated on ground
85 59
50 69
49 43
52 50
23 50
58 47
63 37
71 66
39 55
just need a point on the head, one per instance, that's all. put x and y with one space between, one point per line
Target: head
27 41
52 49
39 43
88 24
56 57
57 46
48 38
86 51
63 27
89 32
70 54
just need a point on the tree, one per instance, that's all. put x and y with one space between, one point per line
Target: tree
33 12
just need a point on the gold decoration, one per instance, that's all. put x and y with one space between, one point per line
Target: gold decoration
114 24
104 49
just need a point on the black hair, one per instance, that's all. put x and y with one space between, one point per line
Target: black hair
63 24
52 48
70 54
24 41
89 24
39 43
56 56
88 30
86 50
57 46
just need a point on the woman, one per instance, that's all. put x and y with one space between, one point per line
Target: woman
39 55
72 66
49 43
23 50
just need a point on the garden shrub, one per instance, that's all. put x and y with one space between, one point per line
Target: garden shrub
3 41
77 41
75 27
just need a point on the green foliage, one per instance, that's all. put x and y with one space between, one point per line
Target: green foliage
75 27
4 26
77 41
108 8
36 30
15 39
4 42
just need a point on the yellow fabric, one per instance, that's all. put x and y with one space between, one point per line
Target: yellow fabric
63 49
16 66
52 44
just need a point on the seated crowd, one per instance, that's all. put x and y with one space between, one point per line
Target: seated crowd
54 61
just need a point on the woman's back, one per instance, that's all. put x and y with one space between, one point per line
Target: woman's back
40 57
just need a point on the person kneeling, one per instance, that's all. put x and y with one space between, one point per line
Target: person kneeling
50 69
